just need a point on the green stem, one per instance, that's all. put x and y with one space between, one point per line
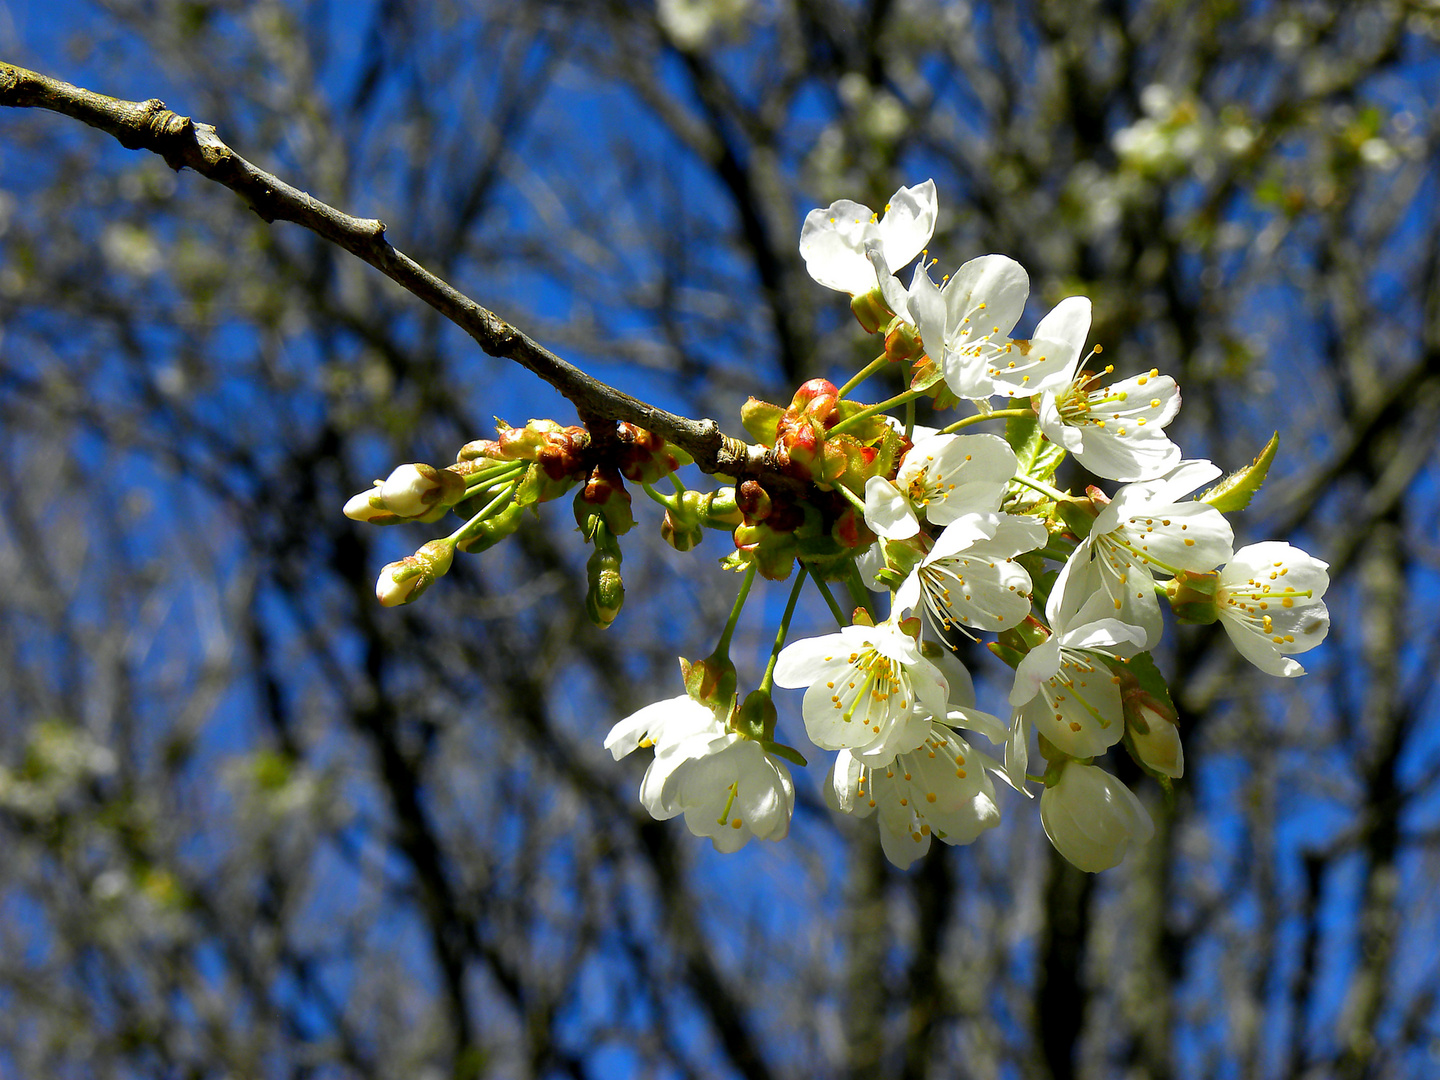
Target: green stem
861 375
835 608
871 410
1042 487
853 499
722 647
978 417
909 420
490 509
664 500
676 483
488 477
767 684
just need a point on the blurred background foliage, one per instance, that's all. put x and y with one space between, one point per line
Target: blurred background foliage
253 825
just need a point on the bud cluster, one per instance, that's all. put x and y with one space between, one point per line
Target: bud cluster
964 531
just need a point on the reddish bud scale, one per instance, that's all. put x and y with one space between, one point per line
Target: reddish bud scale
850 530
644 456
480 451
786 517
753 501
811 391
604 493
560 449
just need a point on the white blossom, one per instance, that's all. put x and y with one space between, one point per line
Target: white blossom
970 580
863 686
1063 688
944 477
1269 599
833 239
941 789
1116 431
1146 527
727 786
411 490
982 302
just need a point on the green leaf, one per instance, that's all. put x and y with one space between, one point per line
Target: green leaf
1149 677
1235 491
926 376
1038 457
789 753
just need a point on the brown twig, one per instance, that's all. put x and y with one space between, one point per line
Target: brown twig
183 143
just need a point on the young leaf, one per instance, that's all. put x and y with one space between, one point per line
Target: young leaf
1037 456
1235 491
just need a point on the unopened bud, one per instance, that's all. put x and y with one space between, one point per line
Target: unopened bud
721 508
367 506
606 594
753 501
402 582
902 341
604 494
416 489
680 533
1158 747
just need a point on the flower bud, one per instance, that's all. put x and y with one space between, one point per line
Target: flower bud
367 506
404 581
1158 746
680 532
607 591
902 341
753 501
604 495
1092 818
416 489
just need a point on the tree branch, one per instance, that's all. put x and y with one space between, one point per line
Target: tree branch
183 143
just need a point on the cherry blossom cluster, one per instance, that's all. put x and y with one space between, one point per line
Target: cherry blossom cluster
955 532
